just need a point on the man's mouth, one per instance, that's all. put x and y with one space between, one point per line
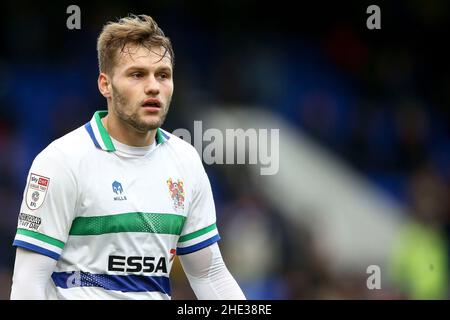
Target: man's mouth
152 104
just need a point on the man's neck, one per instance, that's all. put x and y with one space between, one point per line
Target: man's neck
126 134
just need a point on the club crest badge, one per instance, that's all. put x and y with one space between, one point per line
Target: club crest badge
176 190
36 191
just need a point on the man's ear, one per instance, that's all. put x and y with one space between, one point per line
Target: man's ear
104 84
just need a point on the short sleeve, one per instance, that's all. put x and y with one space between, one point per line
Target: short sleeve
199 230
48 205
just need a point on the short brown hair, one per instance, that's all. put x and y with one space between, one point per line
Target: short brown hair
140 30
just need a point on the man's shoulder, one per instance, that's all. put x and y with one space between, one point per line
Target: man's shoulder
69 147
180 146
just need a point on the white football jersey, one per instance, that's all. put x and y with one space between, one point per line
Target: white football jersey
114 216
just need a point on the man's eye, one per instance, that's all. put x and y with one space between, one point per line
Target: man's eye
164 75
136 75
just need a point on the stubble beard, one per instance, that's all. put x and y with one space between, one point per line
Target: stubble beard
121 104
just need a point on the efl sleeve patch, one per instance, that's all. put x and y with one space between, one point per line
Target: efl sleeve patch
36 191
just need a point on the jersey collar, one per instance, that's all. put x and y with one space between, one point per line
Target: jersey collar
101 138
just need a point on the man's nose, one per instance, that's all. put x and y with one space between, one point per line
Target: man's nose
151 86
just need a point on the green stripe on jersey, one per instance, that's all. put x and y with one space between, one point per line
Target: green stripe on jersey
128 222
159 137
42 237
198 233
104 134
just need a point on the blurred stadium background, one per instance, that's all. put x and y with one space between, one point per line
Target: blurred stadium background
363 115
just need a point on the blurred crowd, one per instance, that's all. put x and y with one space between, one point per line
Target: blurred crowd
380 101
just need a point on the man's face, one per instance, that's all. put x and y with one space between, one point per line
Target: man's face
142 87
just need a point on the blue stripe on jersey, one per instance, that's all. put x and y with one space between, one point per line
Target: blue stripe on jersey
91 133
165 135
124 283
35 248
198 246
